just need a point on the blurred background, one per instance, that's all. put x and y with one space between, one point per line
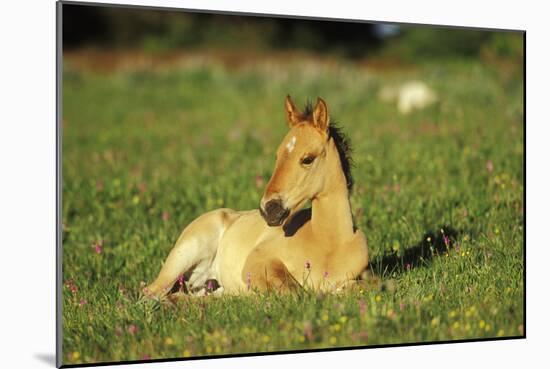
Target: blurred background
155 31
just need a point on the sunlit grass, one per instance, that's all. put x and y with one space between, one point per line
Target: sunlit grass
439 194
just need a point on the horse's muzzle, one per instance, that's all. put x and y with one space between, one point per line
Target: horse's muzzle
274 213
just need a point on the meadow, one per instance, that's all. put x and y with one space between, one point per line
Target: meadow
149 146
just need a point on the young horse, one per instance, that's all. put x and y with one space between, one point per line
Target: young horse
280 246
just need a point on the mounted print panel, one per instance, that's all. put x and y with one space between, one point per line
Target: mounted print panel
236 184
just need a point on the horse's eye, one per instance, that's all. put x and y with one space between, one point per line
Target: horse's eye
308 160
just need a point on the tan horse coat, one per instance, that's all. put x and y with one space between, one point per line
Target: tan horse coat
280 246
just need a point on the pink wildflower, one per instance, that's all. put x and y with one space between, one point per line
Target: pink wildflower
82 302
446 240
71 286
165 216
181 281
325 274
132 329
248 284
98 246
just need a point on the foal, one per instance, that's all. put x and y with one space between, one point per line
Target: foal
280 246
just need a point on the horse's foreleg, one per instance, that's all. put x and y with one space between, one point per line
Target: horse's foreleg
195 249
185 254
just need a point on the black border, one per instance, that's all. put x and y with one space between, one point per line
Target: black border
308 351
59 136
524 184
59 184
288 16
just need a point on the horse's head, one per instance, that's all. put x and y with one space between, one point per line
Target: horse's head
299 173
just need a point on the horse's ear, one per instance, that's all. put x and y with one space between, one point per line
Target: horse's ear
320 115
292 114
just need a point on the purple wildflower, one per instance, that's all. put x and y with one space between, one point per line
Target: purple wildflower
446 240
146 291
181 282
98 246
308 265
71 286
132 329
325 274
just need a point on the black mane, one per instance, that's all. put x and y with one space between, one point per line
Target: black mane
342 142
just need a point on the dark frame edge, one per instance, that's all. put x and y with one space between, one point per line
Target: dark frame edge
288 16
525 184
58 187
291 352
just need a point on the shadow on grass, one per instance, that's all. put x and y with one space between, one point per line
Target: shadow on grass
433 243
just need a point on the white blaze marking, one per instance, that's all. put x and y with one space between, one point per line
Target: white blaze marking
290 145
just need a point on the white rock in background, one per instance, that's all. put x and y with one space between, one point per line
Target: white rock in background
413 95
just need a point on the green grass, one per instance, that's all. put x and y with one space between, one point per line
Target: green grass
147 151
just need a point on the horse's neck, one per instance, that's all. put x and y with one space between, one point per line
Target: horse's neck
331 211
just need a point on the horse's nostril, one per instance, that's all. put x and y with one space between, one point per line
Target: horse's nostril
274 207
273 212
